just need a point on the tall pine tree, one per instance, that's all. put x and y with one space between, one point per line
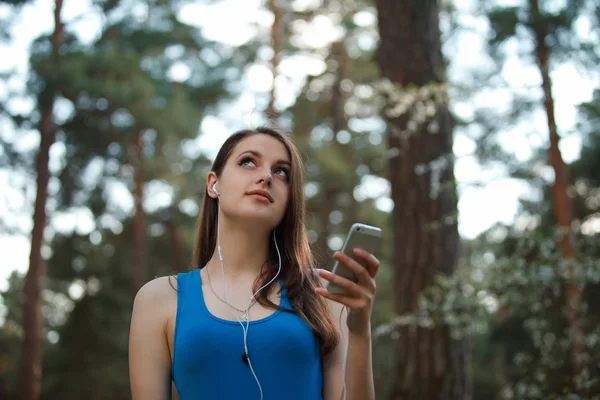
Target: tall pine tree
429 363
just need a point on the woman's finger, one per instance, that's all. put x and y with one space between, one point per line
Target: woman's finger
370 260
354 303
361 272
350 286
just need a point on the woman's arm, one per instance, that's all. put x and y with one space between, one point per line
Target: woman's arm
359 369
149 356
335 362
354 350
351 362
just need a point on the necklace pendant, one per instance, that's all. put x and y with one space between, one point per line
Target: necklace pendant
244 317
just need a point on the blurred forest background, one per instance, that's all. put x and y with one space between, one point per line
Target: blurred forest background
106 139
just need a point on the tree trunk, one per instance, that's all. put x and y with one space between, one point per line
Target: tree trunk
428 363
334 185
139 235
340 123
563 206
30 373
177 250
276 30
338 101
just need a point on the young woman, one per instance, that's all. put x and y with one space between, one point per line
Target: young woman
252 319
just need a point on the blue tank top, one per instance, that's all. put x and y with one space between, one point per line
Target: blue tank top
207 352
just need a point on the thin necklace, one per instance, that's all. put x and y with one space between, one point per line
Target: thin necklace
244 313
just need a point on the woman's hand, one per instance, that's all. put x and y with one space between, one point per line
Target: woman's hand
359 295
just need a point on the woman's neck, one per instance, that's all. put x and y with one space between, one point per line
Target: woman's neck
244 250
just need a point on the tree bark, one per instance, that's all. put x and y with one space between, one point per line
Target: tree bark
177 249
321 248
339 53
139 230
428 363
30 372
563 205
276 30
334 185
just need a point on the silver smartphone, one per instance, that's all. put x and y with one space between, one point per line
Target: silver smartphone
361 236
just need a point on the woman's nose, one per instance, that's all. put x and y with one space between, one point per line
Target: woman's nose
265 176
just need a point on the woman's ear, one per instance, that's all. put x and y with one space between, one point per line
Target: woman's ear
211 179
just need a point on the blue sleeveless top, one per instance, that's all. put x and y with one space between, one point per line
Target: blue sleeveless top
207 352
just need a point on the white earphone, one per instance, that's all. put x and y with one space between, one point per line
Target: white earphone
214 188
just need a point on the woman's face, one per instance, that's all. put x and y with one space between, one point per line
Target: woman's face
254 183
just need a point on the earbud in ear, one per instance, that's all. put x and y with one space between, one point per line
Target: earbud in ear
214 188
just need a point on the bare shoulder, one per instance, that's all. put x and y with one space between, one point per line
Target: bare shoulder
149 351
157 294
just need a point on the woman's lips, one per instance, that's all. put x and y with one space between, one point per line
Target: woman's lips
261 194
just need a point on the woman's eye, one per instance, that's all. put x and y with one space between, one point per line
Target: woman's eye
283 172
247 161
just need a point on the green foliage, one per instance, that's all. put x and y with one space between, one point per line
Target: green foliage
588 164
504 22
555 23
15 2
525 292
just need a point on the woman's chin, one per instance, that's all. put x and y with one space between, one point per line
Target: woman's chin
258 219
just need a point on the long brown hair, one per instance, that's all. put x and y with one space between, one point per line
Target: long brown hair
296 257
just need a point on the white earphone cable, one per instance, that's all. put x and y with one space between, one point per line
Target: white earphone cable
244 328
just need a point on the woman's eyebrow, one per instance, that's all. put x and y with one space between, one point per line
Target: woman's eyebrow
259 155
